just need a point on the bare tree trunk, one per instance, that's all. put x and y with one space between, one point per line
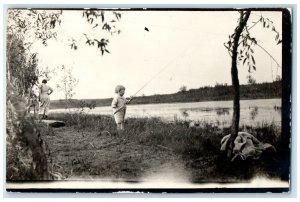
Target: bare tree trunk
244 16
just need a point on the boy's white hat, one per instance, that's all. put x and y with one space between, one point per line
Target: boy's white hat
118 88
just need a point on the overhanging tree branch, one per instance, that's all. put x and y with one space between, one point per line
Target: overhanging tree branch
255 42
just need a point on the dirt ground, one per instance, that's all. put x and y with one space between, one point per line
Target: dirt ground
78 154
150 150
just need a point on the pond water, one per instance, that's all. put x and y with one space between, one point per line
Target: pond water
253 112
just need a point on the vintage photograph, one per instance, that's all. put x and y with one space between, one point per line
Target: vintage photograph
156 100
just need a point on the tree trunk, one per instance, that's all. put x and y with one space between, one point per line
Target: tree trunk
244 16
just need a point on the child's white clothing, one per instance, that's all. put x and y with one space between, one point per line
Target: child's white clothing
117 103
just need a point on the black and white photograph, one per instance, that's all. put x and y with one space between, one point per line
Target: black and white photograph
157 100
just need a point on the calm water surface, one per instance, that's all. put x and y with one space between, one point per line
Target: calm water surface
253 112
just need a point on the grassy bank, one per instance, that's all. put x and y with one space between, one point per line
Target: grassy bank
90 146
208 93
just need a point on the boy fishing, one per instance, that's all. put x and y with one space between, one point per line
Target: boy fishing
119 106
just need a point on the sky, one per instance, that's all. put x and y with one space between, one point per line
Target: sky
186 45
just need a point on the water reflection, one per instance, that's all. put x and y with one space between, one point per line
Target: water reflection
198 109
277 109
184 113
222 111
219 111
253 112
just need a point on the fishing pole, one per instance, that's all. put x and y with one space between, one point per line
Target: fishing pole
152 78
162 69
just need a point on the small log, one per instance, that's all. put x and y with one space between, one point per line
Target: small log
54 123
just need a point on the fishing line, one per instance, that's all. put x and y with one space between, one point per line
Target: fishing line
164 67
154 76
159 72
271 69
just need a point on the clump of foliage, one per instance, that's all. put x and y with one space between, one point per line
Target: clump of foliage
25 148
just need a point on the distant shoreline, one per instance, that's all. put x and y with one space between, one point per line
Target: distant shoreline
176 102
204 94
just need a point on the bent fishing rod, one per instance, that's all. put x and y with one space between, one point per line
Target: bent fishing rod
151 79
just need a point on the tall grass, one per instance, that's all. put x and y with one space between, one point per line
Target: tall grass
175 136
198 147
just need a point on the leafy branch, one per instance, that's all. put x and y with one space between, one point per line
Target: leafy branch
98 20
246 44
101 44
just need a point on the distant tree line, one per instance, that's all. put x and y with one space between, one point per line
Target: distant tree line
208 93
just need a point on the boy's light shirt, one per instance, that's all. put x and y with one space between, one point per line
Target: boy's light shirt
118 102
